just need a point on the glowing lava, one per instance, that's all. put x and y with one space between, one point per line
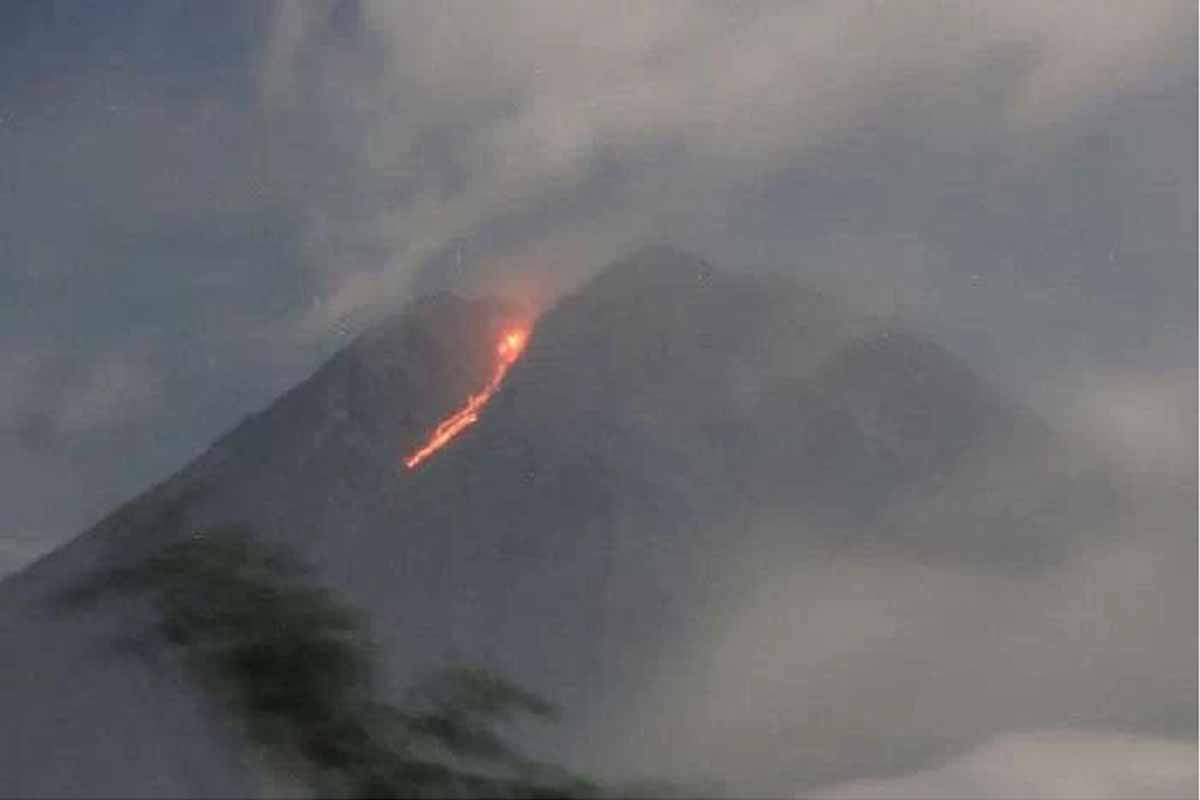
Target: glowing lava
512 342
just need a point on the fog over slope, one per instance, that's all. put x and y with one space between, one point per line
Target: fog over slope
748 539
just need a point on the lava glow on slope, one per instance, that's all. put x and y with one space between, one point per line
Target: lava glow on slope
508 350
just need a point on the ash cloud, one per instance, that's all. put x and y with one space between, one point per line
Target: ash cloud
528 115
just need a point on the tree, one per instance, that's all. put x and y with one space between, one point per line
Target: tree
294 665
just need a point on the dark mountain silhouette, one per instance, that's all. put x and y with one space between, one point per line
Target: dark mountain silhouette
662 420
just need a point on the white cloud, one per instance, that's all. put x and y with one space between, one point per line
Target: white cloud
1045 765
1141 419
816 668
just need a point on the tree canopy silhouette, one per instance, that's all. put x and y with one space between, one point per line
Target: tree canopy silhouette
294 665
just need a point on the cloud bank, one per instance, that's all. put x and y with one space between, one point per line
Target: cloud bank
1045 765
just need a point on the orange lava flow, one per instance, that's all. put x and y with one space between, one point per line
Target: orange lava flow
507 352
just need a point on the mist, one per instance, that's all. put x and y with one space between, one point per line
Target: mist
855 667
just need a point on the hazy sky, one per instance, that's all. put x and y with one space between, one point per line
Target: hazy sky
199 201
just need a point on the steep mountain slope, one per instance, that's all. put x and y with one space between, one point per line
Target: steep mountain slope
658 419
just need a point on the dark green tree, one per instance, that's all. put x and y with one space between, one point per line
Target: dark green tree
294 665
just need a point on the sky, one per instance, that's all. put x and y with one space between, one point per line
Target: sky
201 201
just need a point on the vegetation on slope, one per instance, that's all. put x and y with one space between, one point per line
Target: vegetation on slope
294 666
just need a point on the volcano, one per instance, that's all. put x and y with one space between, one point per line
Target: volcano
659 423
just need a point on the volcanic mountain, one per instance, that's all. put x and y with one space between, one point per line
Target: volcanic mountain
661 423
